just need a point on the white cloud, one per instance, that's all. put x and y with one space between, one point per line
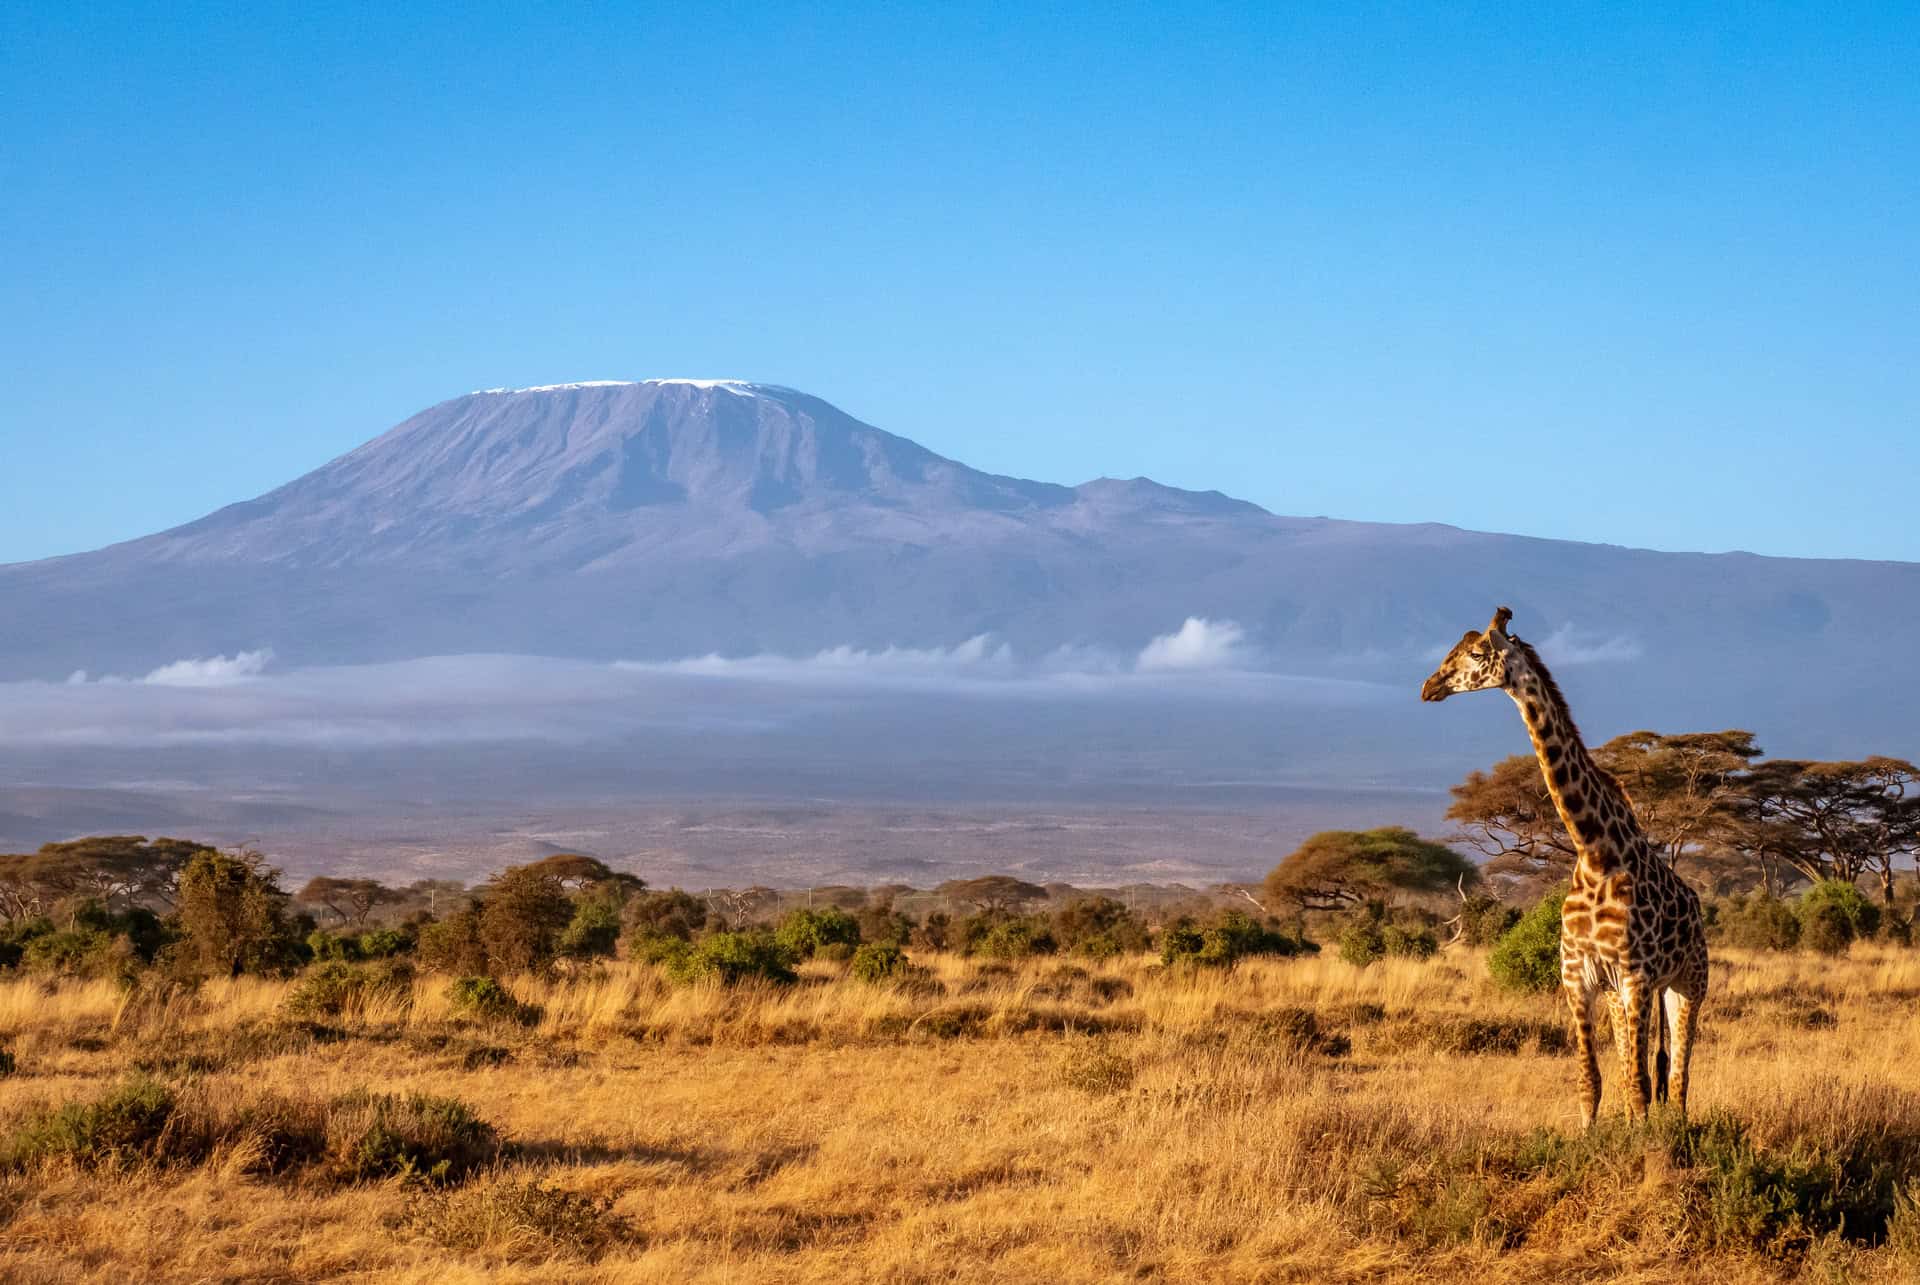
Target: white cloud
1565 646
1198 644
211 671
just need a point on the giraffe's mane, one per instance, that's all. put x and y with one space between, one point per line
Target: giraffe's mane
1554 694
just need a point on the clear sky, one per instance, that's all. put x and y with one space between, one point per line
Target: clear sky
1641 274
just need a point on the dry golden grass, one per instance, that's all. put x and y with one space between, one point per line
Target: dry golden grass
1039 1123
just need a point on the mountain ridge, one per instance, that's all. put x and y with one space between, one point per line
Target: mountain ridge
657 520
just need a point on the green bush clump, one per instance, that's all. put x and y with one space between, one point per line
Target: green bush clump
416 1138
1229 938
1756 921
1485 919
806 933
731 957
1000 934
1527 956
482 999
878 962
1368 938
1834 914
594 930
115 1129
1099 928
333 988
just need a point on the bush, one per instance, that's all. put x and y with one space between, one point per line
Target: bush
1403 942
232 915
1484 919
1230 937
1833 914
805 933
1757 921
417 1138
1527 956
1099 928
878 962
333 988
732 957
482 999
594 930
665 914
999 934
523 912
883 924
115 1129
452 944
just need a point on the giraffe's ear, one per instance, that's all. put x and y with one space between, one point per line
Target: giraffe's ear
1500 619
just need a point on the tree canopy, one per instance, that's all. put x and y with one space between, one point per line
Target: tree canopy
1337 869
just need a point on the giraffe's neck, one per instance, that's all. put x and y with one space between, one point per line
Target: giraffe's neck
1591 803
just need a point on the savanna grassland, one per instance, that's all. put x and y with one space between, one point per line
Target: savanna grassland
1285 1119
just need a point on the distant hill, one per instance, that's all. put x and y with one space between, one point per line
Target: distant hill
669 518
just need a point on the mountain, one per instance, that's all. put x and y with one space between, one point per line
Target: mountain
670 518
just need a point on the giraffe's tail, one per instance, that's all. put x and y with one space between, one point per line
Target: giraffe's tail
1661 1041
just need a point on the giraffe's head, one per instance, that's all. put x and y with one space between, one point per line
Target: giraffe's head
1479 662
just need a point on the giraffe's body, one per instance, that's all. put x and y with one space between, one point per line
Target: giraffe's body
1631 928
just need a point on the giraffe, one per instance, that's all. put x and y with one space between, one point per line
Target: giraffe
1631 928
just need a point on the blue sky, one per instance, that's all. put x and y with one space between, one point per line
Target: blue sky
1595 273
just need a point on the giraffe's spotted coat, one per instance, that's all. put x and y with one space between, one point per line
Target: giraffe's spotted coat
1631 930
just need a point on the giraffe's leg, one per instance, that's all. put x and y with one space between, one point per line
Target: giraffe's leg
1580 1002
1630 1010
1682 1011
1662 1000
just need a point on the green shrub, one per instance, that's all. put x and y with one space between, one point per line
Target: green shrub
482 999
417 1137
1833 914
731 957
672 913
383 943
232 914
877 962
1527 956
453 944
115 1129
1230 937
1403 942
1099 928
1757 921
594 930
1484 919
805 933
1362 943
523 912
330 989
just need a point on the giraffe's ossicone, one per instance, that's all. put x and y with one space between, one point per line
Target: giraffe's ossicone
1631 929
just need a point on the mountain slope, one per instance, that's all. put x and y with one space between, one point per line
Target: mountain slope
668 518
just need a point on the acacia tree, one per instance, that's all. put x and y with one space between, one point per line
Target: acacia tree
1342 869
120 871
1834 820
350 900
1687 791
